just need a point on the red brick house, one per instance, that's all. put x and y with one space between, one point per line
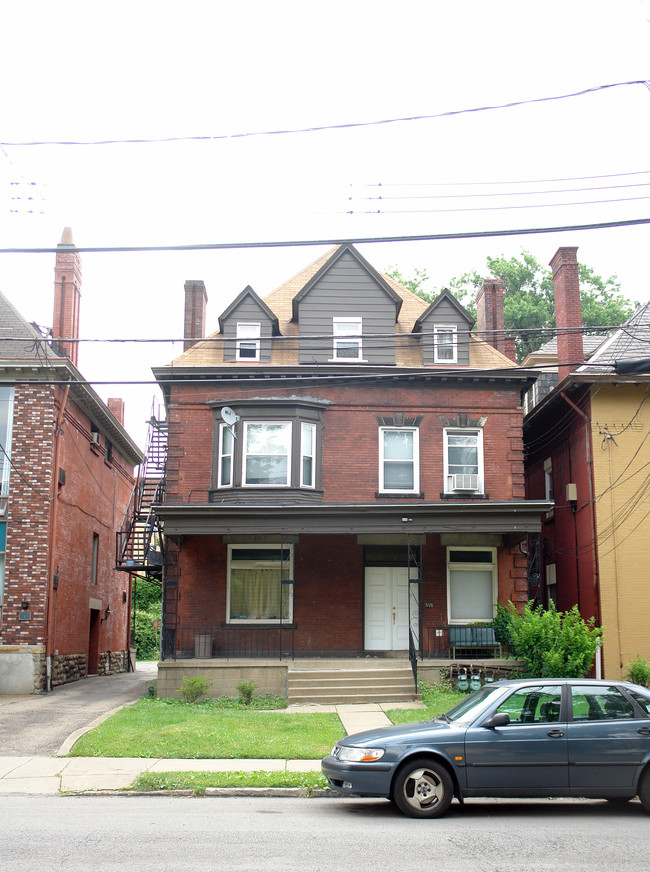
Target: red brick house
345 475
66 468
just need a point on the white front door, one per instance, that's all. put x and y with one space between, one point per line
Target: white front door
387 608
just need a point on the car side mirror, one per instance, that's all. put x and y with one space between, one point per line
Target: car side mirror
501 719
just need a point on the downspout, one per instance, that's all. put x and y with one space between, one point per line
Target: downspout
592 502
51 602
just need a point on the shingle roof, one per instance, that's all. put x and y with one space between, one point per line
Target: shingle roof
20 340
630 342
408 351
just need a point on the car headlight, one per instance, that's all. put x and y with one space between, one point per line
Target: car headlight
351 754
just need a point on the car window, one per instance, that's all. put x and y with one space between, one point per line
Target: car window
475 704
600 704
642 699
533 705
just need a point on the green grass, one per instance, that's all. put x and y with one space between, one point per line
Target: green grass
437 698
156 728
198 781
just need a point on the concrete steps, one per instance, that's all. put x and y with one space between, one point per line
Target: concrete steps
337 685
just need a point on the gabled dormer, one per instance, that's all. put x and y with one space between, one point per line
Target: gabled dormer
346 313
445 327
247 326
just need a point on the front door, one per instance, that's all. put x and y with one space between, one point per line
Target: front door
387 608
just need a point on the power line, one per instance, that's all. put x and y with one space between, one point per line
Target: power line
503 182
318 128
359 240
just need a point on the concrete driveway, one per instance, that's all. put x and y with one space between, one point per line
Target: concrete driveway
39 724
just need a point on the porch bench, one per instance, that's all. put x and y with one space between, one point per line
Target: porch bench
473 639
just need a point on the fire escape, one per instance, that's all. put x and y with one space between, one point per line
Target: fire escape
140 543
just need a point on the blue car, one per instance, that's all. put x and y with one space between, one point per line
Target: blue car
526 738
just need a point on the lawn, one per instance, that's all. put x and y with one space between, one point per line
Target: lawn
156 728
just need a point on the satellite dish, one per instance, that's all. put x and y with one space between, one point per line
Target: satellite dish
229 416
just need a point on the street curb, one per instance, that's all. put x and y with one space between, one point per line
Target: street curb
73 738
288 792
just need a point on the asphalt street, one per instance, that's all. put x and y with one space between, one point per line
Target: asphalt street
38 724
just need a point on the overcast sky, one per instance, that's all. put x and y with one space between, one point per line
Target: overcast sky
89 72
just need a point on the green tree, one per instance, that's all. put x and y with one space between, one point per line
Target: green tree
528 303
147 604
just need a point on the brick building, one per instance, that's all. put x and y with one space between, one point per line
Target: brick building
344 477
66 467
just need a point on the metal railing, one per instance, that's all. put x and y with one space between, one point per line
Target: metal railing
471 642
231 641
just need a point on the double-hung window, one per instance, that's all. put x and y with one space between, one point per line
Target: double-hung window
226 452
399 460
6 427
248 341
463 460
259 583
471 584
307 455
347 338
445 345
267 454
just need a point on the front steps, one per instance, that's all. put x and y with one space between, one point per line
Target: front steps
340 684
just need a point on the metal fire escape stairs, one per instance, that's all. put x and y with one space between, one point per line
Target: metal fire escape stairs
140 545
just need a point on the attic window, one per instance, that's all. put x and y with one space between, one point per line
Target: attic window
445 344
347 338
248 341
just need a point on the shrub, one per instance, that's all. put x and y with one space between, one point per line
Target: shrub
246 689
553 644
194 688
638 671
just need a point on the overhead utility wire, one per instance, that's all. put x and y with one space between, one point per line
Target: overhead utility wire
503 193
344 126
352 240
506 182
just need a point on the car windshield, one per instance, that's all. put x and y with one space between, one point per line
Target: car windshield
469 709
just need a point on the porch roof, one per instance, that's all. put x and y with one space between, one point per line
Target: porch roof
468 516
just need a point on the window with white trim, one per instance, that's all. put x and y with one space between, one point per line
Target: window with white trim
259 584
226 452
6 428
471 584
248 341
399 459
463 460
445 344
347 338
267 454
548 479
307 455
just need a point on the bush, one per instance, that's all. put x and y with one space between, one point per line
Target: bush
246 689
638 671
194 688
552 644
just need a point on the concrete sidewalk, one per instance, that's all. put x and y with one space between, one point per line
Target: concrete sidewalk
50 775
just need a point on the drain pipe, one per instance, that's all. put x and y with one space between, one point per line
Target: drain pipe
590 468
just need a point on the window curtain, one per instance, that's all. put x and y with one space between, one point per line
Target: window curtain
255 595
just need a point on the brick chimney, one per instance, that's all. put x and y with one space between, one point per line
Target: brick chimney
116 406
568 311
67 296
489 317
196 298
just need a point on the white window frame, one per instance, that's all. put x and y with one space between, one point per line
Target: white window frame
261 564
248 336
415 460
288 454
223 455
471 566
438 331
306 454
449 472
347 331
548 479
6 434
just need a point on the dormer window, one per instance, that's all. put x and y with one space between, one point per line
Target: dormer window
445 344
347 339
248 341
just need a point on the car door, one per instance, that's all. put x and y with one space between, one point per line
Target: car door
608 738
529 755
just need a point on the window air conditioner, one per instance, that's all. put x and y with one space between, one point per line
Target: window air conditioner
464 482
94 438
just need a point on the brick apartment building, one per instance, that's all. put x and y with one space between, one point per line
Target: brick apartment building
66 471
345 475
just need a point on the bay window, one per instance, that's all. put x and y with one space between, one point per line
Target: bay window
267 453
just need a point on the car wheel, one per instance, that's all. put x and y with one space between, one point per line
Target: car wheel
644 790
423 788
